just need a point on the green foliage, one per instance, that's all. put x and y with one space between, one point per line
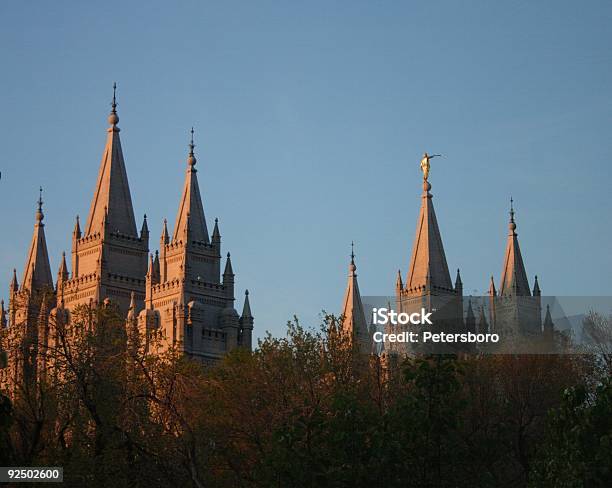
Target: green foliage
577 451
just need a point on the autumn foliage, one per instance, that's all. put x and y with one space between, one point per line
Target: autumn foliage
307 410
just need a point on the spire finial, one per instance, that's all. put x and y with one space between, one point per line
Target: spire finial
39 212
113 118
352 267
191 160
512 225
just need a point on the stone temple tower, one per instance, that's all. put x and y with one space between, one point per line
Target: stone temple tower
109 257
428 283
178 295
186 297
30 305
515 308
353 317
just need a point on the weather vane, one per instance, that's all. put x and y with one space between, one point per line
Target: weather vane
425 164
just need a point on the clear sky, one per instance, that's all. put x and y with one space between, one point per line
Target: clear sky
310 121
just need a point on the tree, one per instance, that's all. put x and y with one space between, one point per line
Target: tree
577 450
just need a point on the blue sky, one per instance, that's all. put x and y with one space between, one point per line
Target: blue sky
310 120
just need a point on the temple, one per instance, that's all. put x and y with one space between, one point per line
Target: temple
175 297
514 311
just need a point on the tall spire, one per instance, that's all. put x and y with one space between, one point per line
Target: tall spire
37 271
514 278
191 213
353 317
428 258
112 191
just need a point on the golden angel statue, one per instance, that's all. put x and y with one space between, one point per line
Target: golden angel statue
425 164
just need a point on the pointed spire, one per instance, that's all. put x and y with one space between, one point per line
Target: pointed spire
428 258
76 233
37 271
514 278
353 317
228 267
246 310
153 269
62 274
458 282
399 285
216 235
14 286
548 323
190 214
156 267
144 231
492 290
3 322
165 238
112 191
536 288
